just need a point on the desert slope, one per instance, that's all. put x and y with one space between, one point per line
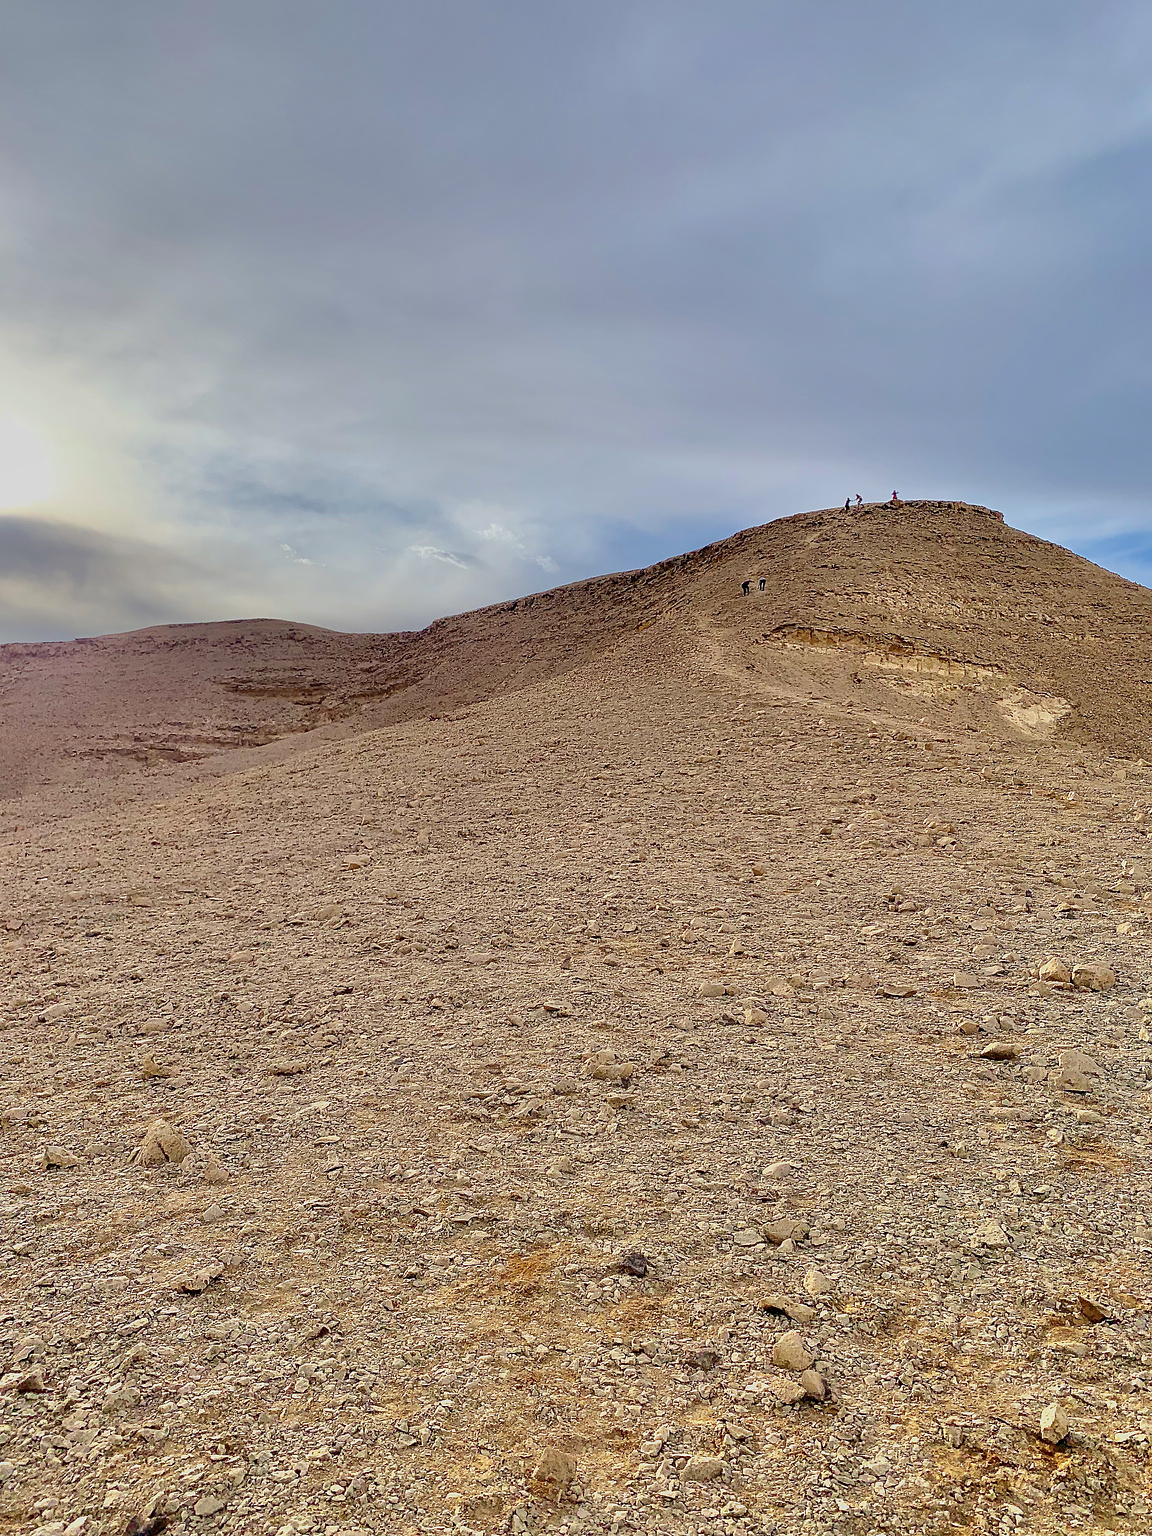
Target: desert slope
927 589
680 1064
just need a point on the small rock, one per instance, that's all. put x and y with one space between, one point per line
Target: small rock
1001 1050
796 1311
965 981
1094 978
747 1237
118 1398
212 1213
785 1230
209 1504
789 1353
634 1264
1079 1061
783 1390
162 1144
813 1384
711 989
150 1067
199 1280
58 1157
554 1467
1053 1424
817 1283
703 1469
1054 971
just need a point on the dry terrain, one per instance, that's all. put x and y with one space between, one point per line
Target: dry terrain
640 1058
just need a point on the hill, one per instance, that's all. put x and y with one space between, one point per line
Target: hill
641 1057
935 606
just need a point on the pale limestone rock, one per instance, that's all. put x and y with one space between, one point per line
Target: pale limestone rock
789 1353
1054 971
1053 1424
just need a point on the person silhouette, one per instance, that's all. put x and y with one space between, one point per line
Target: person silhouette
847 502
895 499
763 579
744 587
859 499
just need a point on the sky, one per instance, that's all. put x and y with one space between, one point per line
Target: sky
362 312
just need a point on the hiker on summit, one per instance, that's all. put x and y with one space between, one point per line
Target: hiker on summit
859 499
744 586
895 499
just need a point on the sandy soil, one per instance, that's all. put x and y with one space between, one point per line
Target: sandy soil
639 1058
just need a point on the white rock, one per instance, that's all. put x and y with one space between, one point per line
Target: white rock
1053 1424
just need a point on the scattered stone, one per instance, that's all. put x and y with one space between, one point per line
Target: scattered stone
964 981
150 1067
817 1283
789 1353
554 1468
702 1469
162 1144
58 1157
1054 972
747 1237
1094 978
634 1264
196 1283
1001 1050
813 1384
1053 1424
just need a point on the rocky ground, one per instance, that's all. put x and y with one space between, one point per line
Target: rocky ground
702 1091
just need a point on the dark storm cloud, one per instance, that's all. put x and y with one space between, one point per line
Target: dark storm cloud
455 300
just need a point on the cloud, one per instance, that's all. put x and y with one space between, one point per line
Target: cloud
57 580
430 552
548 289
